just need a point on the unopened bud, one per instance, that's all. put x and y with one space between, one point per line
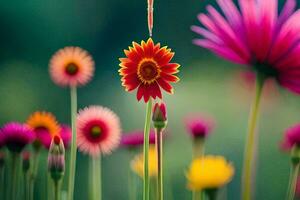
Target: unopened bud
25 161
159 116
56 158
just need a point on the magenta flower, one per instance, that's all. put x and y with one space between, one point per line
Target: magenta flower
66 135
136 139
199 127
256 36
17 136
291 137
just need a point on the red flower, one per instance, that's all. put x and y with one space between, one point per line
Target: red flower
148 68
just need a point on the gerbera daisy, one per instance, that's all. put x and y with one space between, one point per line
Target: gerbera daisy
148 68
17 136
272 49
199 126
71 66
45 127
99 130
291 137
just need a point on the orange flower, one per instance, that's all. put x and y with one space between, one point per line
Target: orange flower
148 68
45 126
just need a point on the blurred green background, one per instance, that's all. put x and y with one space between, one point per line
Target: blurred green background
32 30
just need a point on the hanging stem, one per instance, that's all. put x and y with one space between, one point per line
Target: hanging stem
35 166
251 143
57 189
146 149
293 181
73 144
15 175
159 149
150 16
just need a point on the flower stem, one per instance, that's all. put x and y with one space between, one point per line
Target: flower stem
251 143
15 175
146 150
26 186
2 182
198 152
293 181
159 149
34 171
95 175
73 144
57 185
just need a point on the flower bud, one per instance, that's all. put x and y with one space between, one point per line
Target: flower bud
56 158
2 159
159 116
295 154
25 161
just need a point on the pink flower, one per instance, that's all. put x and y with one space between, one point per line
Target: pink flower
136 139
98 130
257 36
17 136
291 137
199 127
66 135
71 66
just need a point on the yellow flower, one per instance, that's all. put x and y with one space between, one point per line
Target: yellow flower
137 164
209 172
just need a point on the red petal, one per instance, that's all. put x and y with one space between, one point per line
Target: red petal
140 92
131 82
170 68
125 70
169 77
146 93
138 48
165 85
148 48
154 90
165 59
132 54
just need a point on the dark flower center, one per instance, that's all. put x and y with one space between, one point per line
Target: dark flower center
265 69
148 71
72 69
95 131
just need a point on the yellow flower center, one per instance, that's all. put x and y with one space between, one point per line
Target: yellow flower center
96 131
72 68
148 71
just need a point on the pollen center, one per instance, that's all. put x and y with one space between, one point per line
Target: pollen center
95 131
148 71
72 68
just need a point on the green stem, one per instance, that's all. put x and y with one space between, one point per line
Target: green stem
73 144
159 149
56 189
198 151
251 143
293 181
96 190
2 179
131 185
34 171
211 194
26 186
15 175
146 150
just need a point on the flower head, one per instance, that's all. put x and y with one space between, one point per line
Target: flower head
66 135
209 172
71 66
148 68
199 127
56 158
45 127
98 130
291 137
159 116
17 136
136 139
255 35
137 164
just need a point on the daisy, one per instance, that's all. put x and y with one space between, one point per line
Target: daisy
71 66
45 127
147 68
99 131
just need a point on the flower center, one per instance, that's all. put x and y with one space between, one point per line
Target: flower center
148 71
72 68
95 132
